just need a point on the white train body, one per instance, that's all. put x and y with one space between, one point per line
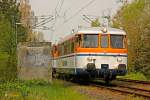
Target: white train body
98 61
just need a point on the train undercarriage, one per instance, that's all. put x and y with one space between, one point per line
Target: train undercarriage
90 73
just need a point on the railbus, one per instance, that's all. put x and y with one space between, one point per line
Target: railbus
92 53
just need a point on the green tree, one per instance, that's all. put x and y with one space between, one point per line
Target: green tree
143 54
9 16
134 18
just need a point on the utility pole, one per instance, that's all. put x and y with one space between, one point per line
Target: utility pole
16 32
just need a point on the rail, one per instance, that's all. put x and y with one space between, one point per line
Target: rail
125 89
133 81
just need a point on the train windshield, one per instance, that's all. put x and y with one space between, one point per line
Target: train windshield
117 41
104 41
90 41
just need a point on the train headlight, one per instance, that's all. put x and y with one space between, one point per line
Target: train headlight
90 59
119 59
115 66
104 29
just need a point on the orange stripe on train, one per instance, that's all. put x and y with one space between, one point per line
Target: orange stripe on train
101 50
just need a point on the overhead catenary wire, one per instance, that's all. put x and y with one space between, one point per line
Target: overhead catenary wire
57 14
75 14
44 21
71 17
86 17
58 8
57 5
86 20
61 5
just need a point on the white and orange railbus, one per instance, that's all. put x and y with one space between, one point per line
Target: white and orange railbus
92 53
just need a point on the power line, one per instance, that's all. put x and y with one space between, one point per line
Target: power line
44 28
89 19
80 10
44 21
75 14
57 13
61 5
86 20
59 10
57 7
86 17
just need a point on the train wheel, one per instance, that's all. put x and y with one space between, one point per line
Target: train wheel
107 82
63 77
68 77
106 78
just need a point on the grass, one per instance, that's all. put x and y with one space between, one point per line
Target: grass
134 76
55 91
133 97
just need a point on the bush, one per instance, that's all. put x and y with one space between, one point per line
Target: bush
13 89
8 68
18 88
135 76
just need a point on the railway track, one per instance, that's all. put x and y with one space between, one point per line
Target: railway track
125 89
133 81
131 90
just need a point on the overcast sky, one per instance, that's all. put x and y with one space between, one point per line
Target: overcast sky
70 14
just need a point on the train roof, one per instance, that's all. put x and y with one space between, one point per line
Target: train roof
94 30
97 30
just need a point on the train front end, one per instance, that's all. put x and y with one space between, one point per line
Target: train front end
102 54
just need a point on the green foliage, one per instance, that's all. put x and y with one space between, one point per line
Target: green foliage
7 70
8 49
143 59
134 76
9 16
134 18
17 89
30 90
7 39
57 91
36 82
3 65
3 59
9 90
95 23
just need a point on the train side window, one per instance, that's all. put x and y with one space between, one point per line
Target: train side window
125 42
78 40
65 48
104 41
62 49
72 46
55 49
58 50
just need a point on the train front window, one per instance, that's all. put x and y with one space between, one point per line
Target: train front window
117 41
104 41
90 41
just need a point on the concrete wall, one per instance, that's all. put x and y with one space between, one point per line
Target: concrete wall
34 61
